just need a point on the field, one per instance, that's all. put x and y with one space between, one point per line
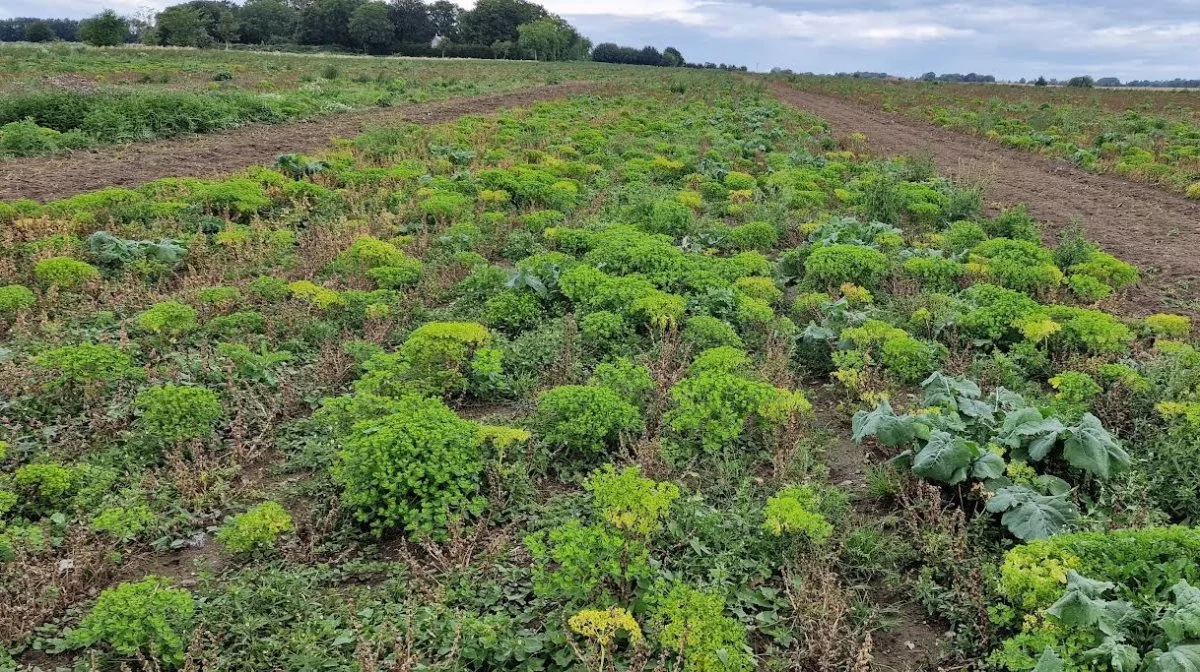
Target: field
665 375
63 97
1150 136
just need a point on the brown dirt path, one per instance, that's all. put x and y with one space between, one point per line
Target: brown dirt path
48 178
1157 231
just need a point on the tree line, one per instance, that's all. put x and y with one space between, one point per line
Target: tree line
492 29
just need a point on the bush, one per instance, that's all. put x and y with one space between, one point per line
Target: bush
584 418
1107 269
15 299
832 265
963 236
692 625
168 318
1014 223
64 272
514 311
255 530
435 359
87 363
712 406
794 510
1091 331
147 618
585 564
416 468
1019 264
632 382
703 332
174 413
909 359
934 273
602 330
1170 326
760 236
628 502
1088 288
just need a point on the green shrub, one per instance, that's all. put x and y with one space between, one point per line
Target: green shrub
1091 331
760 236
148 618
238 324
740 181
269 289
87 363
1019 264
909 359
47 483
435 359
256 530
833 265
584 418
1014 223
416 468
703 332
935 273
632 382
712 406
795 510
1088 288
994 311
174 413
1107 269
692 626
963 236
722 359
602 330
168 318
514 310
398 275
64 272
628 502
125 523
1169 326
367 252
15 299
585 564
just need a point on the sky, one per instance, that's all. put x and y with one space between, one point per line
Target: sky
1130 39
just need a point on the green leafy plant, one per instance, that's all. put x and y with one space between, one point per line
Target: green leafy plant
148 617
794 511
87 363
175 413
168 318
15 299
64 273
692 626
833 265
256 530
586 419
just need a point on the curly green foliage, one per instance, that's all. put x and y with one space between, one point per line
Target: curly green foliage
1088 288
585 563
631 381
712 407
1141 562
934 273
174 413
1169 326
256 530
15 299
168 318
752 236
1014 223
49 484
64 272
963 236
87 363
995 311
1107 269
1019 264
692 625
416 467
148 618
795 510
832 265
367 252
909 359
1091 331
585 418
435 359
704 331
125 523
623 250
514 311
629 502
723 359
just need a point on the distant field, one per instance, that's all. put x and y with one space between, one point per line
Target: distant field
1145 135
62 97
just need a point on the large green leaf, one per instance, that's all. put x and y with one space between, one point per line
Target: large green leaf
945 459
1049 662
1084 606
1184 658
1182 620
883 424
1029 514
1115 655
988 466
1092 448
1026 428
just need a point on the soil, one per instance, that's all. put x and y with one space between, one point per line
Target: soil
47 178
1157 231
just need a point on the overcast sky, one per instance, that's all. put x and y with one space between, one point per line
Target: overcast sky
1130 39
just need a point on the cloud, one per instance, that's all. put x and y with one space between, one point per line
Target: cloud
1007 38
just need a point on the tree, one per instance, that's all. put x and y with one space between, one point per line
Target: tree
370 28
181 26
547 38
929 77
39 31
327 22
444 16
1081 82
672 58
493 21
105 29
1041 81
268 21
410 19
1108 81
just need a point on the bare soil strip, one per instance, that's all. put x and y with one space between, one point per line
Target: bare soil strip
52 177
1155 230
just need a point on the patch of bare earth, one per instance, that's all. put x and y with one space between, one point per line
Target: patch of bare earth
1155 230
47 178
